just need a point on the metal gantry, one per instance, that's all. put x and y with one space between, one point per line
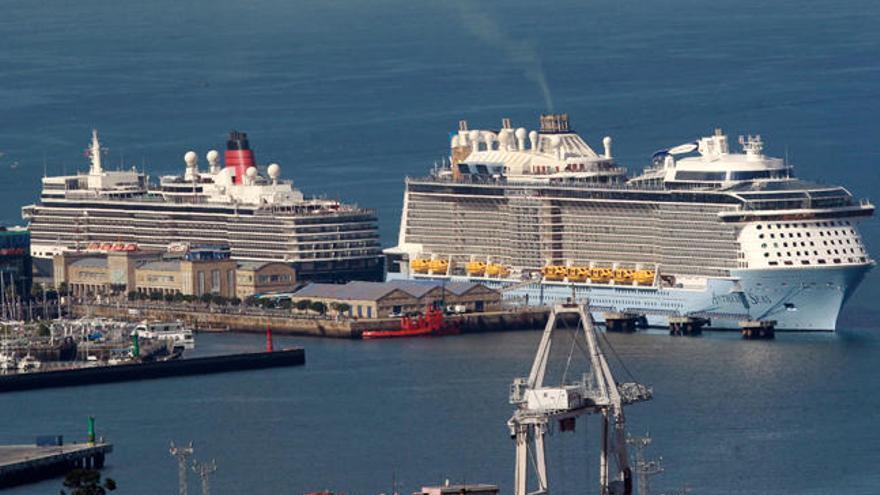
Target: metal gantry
596 392
182 454
205 470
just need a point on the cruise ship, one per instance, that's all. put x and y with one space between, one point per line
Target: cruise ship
238 204
703 231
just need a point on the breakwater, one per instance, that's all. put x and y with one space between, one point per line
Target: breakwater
151 370
526 318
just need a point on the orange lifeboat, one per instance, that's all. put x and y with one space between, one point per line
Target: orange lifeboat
600 275
623 275
475 268
497 270
106 246
131 247
554 272
578 273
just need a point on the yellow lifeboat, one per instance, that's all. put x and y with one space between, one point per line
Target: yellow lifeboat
600 275
497 270
623 275
578 273
644 277
554 272
475 268
420 265
439 266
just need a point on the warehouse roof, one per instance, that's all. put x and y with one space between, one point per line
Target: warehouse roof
161 266
370 291
90 263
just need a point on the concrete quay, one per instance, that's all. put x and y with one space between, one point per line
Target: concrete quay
288 323
21 464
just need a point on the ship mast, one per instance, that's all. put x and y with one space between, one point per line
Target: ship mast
95 154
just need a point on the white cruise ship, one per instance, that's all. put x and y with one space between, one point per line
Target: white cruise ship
704 231
257 214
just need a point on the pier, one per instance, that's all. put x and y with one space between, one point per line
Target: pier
281 322
687 325
20 464
758 329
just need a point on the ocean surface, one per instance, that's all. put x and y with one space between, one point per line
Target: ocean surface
350 97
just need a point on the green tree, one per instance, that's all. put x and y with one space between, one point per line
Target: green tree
206 297
155 295
343 308
235 301
133 295
285 304
169 297
87 482
303 304
318 307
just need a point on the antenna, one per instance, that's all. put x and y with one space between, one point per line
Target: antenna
205 470
182 454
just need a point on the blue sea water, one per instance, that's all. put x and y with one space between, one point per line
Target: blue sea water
352 96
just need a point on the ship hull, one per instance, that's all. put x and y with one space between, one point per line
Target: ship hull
807 299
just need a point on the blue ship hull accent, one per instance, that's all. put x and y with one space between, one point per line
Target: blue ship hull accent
808 298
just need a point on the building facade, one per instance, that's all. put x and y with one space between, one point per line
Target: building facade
255 277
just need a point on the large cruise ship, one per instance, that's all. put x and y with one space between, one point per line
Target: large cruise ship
703 231
240 204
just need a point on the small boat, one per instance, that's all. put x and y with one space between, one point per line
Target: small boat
28 363
432 323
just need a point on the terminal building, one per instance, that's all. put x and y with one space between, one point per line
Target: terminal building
184 270
395 298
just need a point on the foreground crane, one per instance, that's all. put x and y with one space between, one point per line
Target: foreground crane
540 405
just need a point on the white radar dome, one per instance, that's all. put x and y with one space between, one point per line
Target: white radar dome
191 158
251 172
274 171
212 156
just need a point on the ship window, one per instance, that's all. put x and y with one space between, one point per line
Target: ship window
821 262
760 236
773 263
692 175
766 255
837 260
759 227
805 262
788 262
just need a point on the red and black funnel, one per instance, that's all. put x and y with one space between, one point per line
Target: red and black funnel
238 155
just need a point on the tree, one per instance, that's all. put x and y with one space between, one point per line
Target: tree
235 301
218 300
206 297
318 307
285 304
343 308
133 295
87 482
155 295
303 304
169 297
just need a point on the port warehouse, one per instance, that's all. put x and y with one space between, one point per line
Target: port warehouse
197 271
399 297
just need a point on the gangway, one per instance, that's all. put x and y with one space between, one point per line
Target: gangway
539 405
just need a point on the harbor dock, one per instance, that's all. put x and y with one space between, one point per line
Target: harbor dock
20 464
526 318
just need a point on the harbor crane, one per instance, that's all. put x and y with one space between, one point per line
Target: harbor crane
540 405
183 455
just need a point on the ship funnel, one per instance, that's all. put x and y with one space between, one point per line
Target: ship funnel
239 156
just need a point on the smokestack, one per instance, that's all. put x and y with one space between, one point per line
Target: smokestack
239 156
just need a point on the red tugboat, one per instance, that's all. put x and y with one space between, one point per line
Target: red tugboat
433 323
